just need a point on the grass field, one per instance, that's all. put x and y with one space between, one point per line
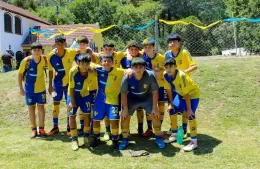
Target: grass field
228 126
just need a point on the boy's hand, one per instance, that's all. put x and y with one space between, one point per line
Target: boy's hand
129 57
125 114
22 92
55 50
170 107
72 105
50 90
190 113
155 112
129 73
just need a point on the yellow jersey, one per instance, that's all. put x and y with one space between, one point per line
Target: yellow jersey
182 84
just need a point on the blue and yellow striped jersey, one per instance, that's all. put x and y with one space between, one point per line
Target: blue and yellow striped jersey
79 83
109 85
183 59
182 84
155 63
61 66
34 74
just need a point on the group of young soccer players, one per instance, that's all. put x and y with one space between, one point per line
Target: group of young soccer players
111 86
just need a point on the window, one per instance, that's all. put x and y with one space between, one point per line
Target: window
18 25
8 22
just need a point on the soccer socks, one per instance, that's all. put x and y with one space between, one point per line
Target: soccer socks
74 133
149 121
184 120
115 134
157 131
96 132
140 119
86 131
55 115
81 119
193 128
161 111
34 127
125 133
174 123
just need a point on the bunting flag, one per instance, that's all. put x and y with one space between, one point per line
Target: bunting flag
48 35
241 19
187 23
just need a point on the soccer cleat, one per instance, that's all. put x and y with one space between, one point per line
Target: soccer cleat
191 146
42 133
115 144
140 132
107 136
34 134
123 145
86 142
148 133
95 142
160 143
53 131
75 145
171 139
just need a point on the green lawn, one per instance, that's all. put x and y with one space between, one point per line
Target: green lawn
228 126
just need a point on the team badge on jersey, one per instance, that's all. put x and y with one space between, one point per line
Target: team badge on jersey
145 86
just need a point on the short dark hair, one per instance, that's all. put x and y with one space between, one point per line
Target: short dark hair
84 58
82 39
109 44
135 44
138 61
149 41
173 36
60 39
169 62
108 56
36 46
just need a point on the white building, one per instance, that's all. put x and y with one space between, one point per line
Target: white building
14 25
237 51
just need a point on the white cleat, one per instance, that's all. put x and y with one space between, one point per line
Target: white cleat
171 139
191 146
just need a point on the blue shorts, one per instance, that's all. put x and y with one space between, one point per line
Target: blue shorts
33 98
146 104
60 91
162 95
7 69
83 102
102 109
180 105
93 94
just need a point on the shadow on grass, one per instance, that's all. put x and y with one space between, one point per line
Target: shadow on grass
137 143
206 144
60 136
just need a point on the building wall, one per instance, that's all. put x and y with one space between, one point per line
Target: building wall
13 39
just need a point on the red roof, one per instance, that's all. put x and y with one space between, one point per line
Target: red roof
66 28
20 11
